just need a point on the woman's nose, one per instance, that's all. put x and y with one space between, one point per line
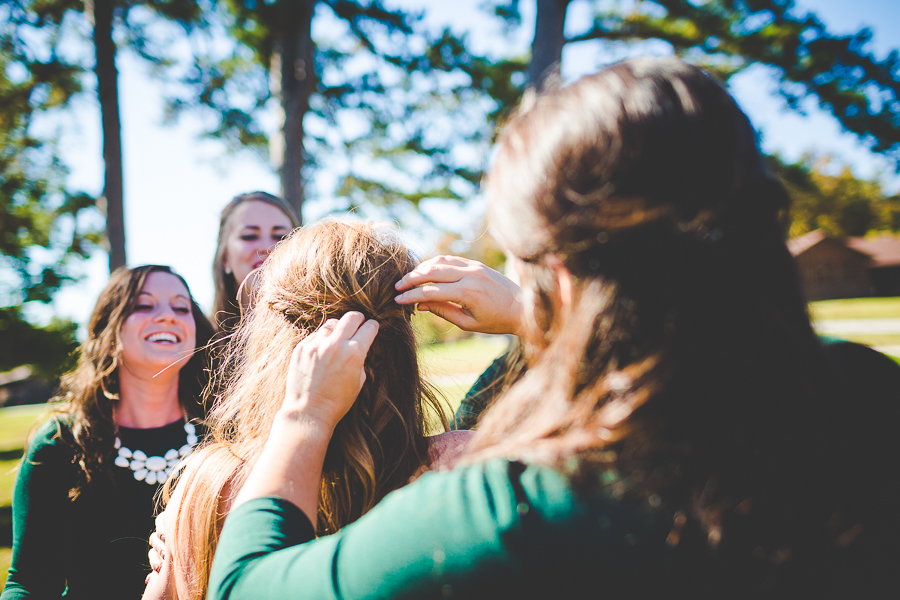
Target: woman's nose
166 313
265 250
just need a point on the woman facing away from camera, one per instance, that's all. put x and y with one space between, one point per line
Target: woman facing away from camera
679 431
83 504
315 275
249 227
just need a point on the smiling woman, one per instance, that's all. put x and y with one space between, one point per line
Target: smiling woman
91 473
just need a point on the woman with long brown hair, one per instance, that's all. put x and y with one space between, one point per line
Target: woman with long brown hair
679 432
84 495
249 227
315 275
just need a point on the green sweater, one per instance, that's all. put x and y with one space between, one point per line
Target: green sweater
502 529
871 372
93 547
492 530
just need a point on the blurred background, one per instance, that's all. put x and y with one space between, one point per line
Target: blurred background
126 126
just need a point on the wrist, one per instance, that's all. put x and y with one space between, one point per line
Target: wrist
302 425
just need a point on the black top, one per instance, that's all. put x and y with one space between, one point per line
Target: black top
95 546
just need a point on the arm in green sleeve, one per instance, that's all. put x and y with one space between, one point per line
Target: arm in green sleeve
40 499
456 532
480 395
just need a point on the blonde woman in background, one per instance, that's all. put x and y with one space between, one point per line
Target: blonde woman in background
313 277
249 227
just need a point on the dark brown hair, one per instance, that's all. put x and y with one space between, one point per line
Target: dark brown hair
89 391
225 312
684 373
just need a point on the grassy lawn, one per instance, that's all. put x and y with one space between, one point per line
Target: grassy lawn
860 308
451 367
856 308
467 356
15 423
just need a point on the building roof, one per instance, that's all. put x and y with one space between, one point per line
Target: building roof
884 250
801 244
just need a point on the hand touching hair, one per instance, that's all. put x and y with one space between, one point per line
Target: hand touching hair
317 273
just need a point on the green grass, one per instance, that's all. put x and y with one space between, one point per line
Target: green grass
468 356
856 308
860 308
873 339
5 558
15 423
7 478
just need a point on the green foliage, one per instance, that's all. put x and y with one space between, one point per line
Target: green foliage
43 229
726 36
413 99
48 349
841 205
36 209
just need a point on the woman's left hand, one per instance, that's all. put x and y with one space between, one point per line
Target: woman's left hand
160 581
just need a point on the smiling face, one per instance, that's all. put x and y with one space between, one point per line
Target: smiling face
161 330
254 229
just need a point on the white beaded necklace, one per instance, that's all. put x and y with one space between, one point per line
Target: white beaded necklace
155 469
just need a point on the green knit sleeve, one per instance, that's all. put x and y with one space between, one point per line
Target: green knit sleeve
466 533
40 498
480 395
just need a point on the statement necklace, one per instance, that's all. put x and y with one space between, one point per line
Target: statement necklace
155 469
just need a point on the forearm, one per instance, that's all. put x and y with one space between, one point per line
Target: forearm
447 531
290 465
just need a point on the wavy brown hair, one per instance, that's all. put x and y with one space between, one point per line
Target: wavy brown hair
89 392
225 311
317 273
684 373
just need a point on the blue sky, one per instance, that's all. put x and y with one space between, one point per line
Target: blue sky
176 184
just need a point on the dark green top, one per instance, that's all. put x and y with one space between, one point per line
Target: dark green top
503 529
96 544
493 530
869 370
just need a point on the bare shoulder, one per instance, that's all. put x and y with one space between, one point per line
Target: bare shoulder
446 448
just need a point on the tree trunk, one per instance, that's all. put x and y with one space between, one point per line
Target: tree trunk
549 38
108 93
294 55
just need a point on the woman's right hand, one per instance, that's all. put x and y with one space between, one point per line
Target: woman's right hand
324 378
326 370
469 294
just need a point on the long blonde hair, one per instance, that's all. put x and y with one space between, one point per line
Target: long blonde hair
316 274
